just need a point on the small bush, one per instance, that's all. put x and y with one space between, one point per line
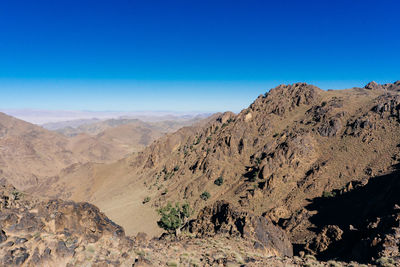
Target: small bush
17 195
327 194
146 199
205 195
173 217
254 176
176 168
219 181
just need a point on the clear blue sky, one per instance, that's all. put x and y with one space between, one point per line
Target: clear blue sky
188 55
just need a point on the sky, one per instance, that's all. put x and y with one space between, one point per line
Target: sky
185 55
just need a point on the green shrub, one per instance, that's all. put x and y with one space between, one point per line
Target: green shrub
219 181
327 194
176 168
173 217
205 195
254 176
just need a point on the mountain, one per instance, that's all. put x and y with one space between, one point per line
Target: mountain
29 154
318 168
290 148
113 139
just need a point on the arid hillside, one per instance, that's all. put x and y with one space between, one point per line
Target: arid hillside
30 154
113 139
292 146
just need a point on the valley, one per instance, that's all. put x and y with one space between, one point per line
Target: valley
317 169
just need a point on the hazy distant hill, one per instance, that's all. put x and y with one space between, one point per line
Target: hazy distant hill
110 140
30 154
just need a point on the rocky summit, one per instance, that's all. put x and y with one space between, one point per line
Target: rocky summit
302 177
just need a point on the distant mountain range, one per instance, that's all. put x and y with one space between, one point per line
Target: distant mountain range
41 117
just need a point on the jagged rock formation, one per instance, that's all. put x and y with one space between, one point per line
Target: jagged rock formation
222 218
37 232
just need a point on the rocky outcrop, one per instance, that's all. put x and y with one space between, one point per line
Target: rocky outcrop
55 232
285 98
373 86
223 218
329 235
387 86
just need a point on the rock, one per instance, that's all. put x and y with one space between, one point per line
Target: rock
329 235
373 86
3 236
223 218
330 128
141 238
15 256
63 251
20 240
63 228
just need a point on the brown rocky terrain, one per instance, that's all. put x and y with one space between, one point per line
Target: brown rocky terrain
301 172
52 232
292 149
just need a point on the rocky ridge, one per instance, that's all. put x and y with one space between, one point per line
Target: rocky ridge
292 147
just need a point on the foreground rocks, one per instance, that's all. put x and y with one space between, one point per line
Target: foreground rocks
37 232
223 218
42 232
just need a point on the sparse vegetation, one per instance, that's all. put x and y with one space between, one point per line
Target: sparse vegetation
173 217
197 141
146 199
219 181
17 195
254 175
327 194
176 168
205 195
